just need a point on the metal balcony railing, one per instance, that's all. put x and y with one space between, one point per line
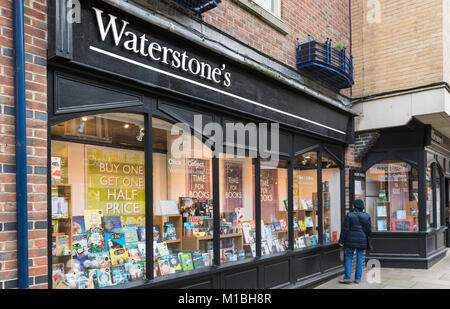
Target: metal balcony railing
324 62
199 6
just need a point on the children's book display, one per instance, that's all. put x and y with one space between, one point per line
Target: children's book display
104 252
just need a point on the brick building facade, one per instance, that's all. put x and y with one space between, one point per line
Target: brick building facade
36 103
320 19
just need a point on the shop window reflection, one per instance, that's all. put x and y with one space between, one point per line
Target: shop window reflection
429 188
98 201
392 196
274 205
182 201
331 199
305 201
237 208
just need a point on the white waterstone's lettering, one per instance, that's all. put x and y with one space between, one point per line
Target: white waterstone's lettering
155 52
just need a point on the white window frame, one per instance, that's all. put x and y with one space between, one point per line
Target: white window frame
275 7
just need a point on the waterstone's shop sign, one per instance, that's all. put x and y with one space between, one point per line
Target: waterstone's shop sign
155 52
112 41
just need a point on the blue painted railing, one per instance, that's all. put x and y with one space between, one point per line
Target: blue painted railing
199 6
324 62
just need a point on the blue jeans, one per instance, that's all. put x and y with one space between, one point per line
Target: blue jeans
348 263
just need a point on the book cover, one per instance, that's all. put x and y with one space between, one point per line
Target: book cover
93 218
164 266
119 256
283 225
155 250
197 259
308 240
104 277
60 208
78 227
206 259
130 231
169 207
276 225
186 261
95 240
169 231
174 263
97 260
119 274
156 234
56 170
314 240
62 245
162 249
309 222
79 246
141 233
135 255
131 245
248 233
114 240
141 248
302 225
112 224
135 271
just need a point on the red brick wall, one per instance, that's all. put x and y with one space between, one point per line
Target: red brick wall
320 18
36 104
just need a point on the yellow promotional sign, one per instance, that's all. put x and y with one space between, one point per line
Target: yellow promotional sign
116 183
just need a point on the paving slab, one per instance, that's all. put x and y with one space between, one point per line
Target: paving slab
437 277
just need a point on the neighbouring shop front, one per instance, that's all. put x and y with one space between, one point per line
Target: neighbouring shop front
127 211
404 181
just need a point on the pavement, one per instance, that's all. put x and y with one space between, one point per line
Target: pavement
437 277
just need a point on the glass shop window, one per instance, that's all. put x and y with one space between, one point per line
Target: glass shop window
274 206
305 201
331 199
182 201
429 187
98 201
237 208
392 189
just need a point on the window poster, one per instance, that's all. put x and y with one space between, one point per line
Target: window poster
116 183
233 185
198 179
269 194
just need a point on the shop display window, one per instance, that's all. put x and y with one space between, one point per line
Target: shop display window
182 201
305 201
331 199
274 206
98 201
237 208
392 196
430 188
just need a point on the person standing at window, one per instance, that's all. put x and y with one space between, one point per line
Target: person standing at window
354 236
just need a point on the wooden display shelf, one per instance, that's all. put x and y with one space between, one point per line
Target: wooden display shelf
64 225
377 218
193 243
300 214
177 221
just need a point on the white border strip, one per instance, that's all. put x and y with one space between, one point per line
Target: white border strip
107 53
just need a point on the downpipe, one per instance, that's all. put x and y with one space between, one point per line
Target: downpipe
21 146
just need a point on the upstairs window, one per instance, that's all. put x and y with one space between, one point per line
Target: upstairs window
273 6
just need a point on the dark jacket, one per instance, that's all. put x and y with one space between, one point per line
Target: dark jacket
353 234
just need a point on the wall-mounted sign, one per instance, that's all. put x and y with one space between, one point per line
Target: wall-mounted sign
109 40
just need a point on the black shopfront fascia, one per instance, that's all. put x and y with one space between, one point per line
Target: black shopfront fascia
413 145
83 82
